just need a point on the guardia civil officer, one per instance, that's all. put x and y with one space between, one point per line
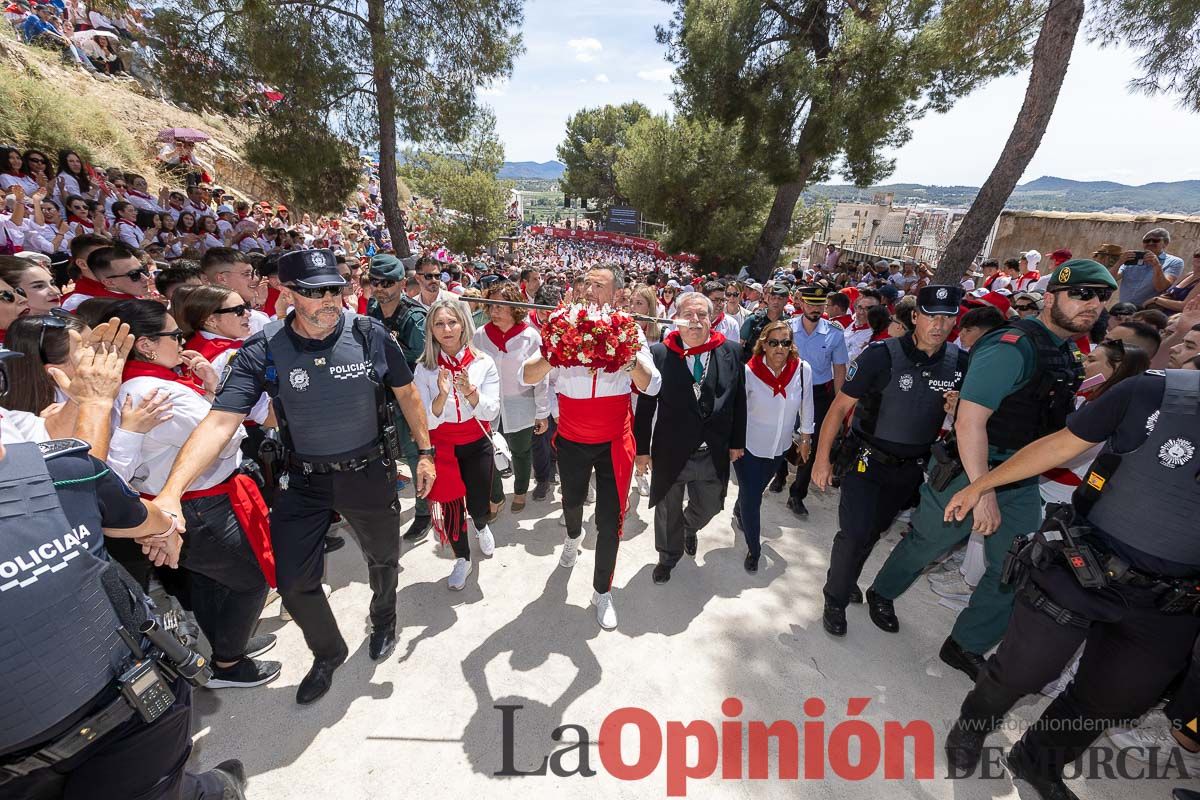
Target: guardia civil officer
65 728
329 375
1020 385
404 317
1117 571
900 391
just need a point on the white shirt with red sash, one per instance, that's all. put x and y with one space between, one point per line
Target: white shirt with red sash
86 289
219 351
857 339
520 406
772 404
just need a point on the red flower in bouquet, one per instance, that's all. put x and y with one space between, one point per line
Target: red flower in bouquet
600 339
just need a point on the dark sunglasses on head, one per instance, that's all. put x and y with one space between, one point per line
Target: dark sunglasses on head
318 292
1120 314
178 336
1116 344
53 321
381 283
778 342
1085 293
239 310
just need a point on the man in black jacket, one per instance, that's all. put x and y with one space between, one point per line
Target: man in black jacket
702 428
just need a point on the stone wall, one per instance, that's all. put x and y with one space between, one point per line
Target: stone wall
1046 231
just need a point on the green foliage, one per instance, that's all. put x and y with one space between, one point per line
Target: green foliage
688 174
595 137
299 153
1165 32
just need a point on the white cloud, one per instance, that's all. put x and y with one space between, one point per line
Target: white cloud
660 75
585 49
601 78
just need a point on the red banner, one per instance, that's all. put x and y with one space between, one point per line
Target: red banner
618 239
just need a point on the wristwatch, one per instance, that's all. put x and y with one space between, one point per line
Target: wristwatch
427 451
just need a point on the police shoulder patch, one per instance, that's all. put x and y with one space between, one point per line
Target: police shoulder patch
1011 337
852 370
62 447
1159 372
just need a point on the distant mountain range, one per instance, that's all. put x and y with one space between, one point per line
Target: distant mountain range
1043 194
546 171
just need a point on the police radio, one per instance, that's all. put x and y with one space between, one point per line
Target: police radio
144 688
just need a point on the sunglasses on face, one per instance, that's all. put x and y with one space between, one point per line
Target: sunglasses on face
1024 308
179 336
1120 314
10 297
1151 240
380 283
779 342
1086 293
135 275
317 293
429 276
239 310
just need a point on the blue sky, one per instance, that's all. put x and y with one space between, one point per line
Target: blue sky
581 53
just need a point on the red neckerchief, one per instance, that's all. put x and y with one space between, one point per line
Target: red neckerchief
845 320
501 338
455 366
879 337
81 221
93 288
210 348
272 299
136 193
717 321
990 280
674 343
146 369
855 329
778 383
3 333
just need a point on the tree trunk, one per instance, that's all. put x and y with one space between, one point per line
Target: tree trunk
1051 56
385 100
775 230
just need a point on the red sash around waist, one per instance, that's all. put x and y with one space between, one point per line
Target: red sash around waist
449 483
597 420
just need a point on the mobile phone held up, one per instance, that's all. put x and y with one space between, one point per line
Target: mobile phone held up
1138 255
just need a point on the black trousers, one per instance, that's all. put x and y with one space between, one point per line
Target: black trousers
544 457
822 398
367 500
1184 705
137 761
225 581
475 464
1131 653
869 502
575 464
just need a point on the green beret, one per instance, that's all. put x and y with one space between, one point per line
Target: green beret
1081 272
387 267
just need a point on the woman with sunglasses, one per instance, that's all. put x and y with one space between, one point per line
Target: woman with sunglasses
778 388
79 216
39 167
460 387
223 509
524 410
13 306
33 281
48 231
668 305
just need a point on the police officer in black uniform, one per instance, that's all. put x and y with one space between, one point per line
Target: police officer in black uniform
1117 571
66 730
404 318
330 375
900 391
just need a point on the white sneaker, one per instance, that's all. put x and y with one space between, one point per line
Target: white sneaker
458 575
570 552
1153 741
952 587
487 542
643 485
606 612
286 616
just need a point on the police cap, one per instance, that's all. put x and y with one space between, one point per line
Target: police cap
309 269
1081 272
944 300
814 295
386 267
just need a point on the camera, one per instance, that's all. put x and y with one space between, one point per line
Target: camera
1138 255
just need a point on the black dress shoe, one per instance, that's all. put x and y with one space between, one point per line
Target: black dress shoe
964 747
777 484
690 543
797 506
962 660
382 643
882 612
751 563
1184 794
334 543
541 491
232 777
856 595
662 573
318 680
834 620
418 530
1023 767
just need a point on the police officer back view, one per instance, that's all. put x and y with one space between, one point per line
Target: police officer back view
328 374
66 727
900 391
1117 571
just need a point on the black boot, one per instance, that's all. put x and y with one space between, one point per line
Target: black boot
982 711
419 529
834 620
882 612
1023 766
964 661
319 678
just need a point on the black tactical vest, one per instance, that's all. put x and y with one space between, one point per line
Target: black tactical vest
1152 501
1040 406
911 408
328 400
58 642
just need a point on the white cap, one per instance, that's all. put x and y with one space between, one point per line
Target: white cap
225 209
673 284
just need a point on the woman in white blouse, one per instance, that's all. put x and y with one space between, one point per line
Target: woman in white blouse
222 508
778 389
524 410
460 387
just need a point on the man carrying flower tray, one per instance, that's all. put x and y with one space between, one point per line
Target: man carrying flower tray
598 356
